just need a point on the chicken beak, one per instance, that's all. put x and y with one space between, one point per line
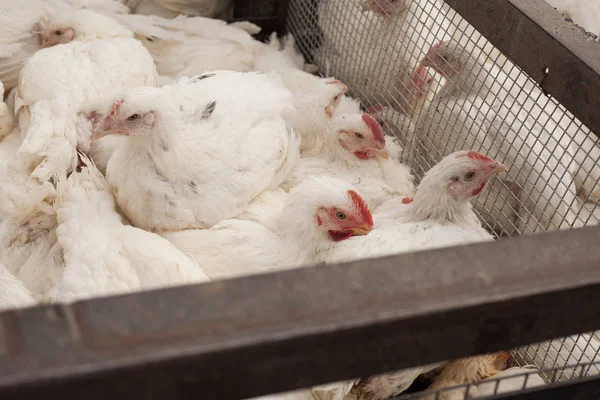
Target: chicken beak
382 153
100 134
497 168
363 230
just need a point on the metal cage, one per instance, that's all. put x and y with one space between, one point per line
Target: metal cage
272 333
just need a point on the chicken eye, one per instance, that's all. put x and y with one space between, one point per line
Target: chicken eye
469 176
340 215
359 136
149 39
58 32
133 117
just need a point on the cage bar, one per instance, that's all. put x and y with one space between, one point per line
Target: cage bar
270 333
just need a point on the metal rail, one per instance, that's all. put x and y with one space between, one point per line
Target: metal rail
558 55
257 335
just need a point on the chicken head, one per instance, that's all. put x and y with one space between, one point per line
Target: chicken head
53 35
133 115
446 58
467 173
344 216
362 136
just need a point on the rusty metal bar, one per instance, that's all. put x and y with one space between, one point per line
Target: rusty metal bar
558 55
270 333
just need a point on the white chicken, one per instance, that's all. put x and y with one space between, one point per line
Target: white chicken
474 110
173 8
186 46
440 214
59 82
384 386
199 151
318 213
21 25
6 115
467 370
386 46
102 255
315 102
510 380
12 292
28 243
356 151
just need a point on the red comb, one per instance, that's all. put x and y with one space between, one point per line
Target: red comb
362 206
407 200
419 78
480 157
114 110
375 128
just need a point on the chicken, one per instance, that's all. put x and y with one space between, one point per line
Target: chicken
510 380
379 63
467 370
316 214
28 243
106 7
384 386
173 8
59 82
440 214
12 292
482 116
187 46
102 255
21 24
6 115
355 150
315 101
196 153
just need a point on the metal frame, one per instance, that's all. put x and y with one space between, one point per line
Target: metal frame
270 333
257 335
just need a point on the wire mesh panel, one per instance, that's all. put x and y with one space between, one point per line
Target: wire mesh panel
509 381
439 86
477 99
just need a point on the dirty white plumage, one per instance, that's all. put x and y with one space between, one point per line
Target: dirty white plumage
200 150
21 24
440 214
28 244
467 370
315 102
6 115
57 83
510 380
314 214
102 255
12 292
355 149
187 46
